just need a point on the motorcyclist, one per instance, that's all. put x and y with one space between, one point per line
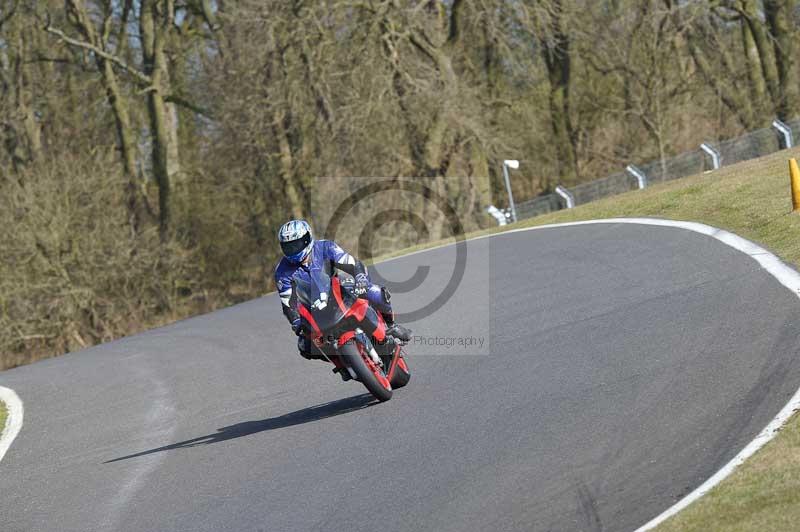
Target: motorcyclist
301 250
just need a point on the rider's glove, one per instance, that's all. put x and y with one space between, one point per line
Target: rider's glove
361 284
296 326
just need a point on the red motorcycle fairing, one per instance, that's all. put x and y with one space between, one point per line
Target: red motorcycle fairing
380 331
396 360
358 310
359 307
346 337
310 319
378 334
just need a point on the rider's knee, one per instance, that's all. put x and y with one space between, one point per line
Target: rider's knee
304 347
307 349
380 298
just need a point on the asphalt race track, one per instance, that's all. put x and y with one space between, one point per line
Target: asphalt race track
622 365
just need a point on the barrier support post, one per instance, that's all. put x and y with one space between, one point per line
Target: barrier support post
567 195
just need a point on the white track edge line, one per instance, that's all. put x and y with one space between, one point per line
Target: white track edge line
784 274
13 420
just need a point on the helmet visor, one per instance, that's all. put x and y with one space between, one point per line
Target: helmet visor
293 247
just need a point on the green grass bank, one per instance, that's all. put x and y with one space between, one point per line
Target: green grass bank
3 416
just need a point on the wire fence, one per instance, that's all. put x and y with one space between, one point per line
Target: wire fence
683 165
600 188
731 151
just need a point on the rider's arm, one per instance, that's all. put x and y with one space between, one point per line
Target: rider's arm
288 299
344 261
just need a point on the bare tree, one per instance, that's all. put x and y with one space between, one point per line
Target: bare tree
549 22
779 15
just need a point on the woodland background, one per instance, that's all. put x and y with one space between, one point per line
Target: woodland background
149 149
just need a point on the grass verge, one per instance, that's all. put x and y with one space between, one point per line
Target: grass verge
3 415
753 200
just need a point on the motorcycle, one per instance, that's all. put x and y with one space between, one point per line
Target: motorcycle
349 333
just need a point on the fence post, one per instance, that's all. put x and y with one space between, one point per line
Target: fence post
567 195
785 131
638 174
510 163
714 154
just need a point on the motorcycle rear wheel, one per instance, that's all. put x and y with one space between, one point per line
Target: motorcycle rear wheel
370 375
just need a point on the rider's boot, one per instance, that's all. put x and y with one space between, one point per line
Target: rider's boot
343 373
339 368
395 329
381 300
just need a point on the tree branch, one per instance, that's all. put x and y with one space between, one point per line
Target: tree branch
139 76
178 100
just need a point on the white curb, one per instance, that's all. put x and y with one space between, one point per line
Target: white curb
13 421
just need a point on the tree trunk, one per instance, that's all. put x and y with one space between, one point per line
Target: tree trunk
758 90
30 130
122 122
749 10
119 107
779 19
155 23
555 49
728 95
287 167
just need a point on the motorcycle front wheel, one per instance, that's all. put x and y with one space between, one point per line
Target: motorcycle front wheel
355 355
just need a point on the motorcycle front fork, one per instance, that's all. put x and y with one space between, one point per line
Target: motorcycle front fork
387 351
365 341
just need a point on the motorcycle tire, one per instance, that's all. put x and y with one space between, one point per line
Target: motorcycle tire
401 374
368 373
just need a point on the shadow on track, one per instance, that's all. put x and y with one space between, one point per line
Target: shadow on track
298 417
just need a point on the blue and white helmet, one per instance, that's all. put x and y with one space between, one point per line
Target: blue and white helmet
296 240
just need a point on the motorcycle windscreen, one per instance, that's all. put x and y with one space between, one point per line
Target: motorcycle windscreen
314 292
